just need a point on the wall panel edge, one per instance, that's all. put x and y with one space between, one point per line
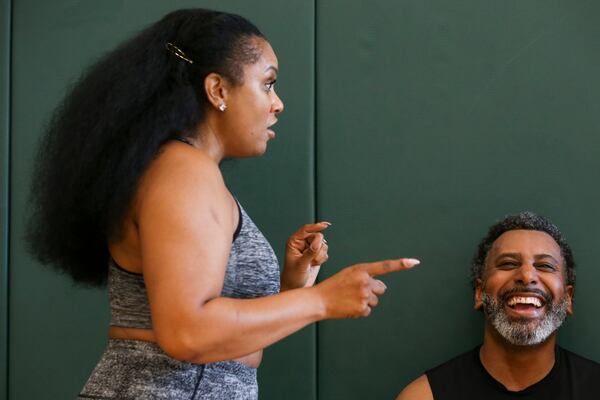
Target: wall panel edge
5 15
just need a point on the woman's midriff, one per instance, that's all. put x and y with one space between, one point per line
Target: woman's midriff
147 335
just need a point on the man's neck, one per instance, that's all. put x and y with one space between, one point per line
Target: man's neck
516 367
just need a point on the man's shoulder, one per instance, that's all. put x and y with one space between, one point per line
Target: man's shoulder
467 358
578 362
436 378
579 373
418 389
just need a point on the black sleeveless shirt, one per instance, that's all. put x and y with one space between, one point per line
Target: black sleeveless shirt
464 378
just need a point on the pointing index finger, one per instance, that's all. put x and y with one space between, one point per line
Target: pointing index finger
309 229
317 226
387 266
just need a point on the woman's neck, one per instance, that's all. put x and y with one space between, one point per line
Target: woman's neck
207 139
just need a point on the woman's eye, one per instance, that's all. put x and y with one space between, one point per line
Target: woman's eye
269 86
508 264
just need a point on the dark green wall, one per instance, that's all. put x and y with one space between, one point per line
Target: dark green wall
410 125
58 331
435 118
4 187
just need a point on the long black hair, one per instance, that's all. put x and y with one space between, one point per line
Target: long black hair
112 124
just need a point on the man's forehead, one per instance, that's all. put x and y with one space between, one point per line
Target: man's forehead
529 242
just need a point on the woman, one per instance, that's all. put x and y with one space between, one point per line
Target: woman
128 187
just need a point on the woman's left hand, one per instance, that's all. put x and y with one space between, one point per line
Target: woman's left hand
306 250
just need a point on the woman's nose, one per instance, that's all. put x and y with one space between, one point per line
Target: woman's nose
277 105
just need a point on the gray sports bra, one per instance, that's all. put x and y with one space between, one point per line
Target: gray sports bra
252 271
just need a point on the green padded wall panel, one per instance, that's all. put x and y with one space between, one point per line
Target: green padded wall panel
434 119
57 331
4 186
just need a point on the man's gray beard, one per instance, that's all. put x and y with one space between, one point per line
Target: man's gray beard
524 331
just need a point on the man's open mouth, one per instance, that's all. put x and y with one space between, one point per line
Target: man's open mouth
528 304
517 302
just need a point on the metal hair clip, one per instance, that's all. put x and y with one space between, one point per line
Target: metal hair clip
178 52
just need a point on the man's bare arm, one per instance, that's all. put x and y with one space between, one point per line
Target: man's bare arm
418 389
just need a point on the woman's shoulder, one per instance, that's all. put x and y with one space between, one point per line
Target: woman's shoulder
179 158
180 171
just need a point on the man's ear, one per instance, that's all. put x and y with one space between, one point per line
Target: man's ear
569 293
478 294
216 86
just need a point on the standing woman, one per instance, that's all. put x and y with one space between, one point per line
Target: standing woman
128 190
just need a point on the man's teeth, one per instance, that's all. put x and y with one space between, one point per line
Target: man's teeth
524 300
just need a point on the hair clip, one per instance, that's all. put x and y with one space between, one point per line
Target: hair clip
178 52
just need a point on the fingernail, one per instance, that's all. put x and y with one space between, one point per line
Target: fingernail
315 246
326 223
411 262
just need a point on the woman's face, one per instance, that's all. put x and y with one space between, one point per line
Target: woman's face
252 106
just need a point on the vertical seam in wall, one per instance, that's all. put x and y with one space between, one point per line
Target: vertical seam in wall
315 176
5 191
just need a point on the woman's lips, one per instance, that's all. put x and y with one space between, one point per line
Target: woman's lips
270 131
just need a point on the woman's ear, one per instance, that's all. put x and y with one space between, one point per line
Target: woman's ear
216 86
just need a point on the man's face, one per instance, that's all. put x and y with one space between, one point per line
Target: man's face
523 292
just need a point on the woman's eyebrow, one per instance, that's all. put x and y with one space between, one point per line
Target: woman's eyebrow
272 67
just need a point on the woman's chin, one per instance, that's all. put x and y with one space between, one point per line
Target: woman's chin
256 152
262 150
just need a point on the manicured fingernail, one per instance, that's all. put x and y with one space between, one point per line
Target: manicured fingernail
326 223
411 262
315 246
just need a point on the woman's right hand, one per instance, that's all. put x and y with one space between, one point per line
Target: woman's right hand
353 292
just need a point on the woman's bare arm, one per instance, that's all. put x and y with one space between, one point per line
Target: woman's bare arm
186 221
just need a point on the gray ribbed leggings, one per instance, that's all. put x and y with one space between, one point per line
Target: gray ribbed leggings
132 369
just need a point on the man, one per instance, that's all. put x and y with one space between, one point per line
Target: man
523 277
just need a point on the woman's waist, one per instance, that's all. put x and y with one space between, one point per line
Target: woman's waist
147 335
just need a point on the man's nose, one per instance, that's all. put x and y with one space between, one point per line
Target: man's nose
526 274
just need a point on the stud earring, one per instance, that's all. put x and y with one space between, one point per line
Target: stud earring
222 106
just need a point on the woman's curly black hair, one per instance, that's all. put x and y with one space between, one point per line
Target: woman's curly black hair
112 124
525 220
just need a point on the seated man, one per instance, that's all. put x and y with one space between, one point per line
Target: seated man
523 276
